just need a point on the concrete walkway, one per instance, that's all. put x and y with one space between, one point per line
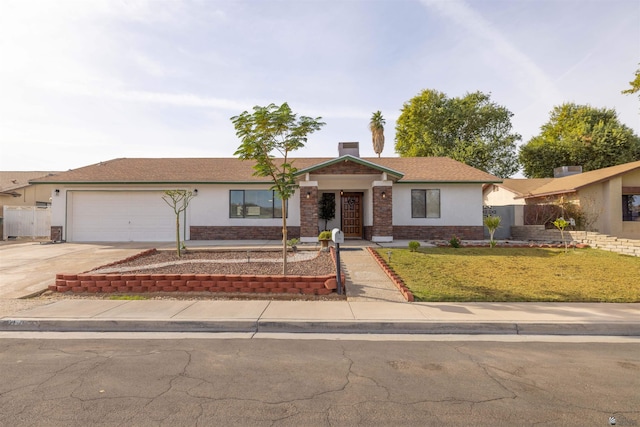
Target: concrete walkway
365 279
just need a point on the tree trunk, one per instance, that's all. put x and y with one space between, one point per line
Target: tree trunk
284 237
178 234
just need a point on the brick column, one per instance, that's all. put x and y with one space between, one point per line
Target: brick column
382 230
308 211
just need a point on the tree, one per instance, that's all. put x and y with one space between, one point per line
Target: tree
635 84
327 208
376 125
579 135
472 129
492 223
274 129
178 200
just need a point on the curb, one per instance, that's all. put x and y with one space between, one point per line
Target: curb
304 326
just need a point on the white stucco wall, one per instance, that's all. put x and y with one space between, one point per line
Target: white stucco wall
460 204
211 208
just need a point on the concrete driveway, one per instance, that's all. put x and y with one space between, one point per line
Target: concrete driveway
29 267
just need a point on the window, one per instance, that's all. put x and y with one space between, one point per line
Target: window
254 204
631 207
425 203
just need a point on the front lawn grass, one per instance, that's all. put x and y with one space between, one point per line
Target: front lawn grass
517 274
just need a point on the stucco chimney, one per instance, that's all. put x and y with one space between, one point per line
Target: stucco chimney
351 148
566 171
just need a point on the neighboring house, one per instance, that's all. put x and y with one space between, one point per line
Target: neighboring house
506 200
15 190
608 197
378 199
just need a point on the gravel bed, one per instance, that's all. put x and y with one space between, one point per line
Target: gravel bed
304 263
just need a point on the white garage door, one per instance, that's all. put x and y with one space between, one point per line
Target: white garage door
120 216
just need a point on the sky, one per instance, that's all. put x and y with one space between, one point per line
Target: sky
88 81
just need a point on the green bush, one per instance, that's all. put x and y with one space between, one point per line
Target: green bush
414 245
454 242
325 235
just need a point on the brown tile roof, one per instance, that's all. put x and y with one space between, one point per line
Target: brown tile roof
572 183
229 170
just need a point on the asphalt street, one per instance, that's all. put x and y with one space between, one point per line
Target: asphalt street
304 382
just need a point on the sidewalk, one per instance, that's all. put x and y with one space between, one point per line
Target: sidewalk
373 306
329 317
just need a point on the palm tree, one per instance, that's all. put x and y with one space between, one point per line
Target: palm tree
376 125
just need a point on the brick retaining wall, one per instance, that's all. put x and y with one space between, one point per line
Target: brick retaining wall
227 283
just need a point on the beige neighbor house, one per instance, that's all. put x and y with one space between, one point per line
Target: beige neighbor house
377 199
609 198
16 191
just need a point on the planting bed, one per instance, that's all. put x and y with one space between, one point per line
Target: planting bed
229 272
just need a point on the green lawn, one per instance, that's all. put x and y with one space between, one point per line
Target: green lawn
517 274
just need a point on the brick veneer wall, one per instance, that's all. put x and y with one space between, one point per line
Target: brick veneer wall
199 232
382 211
346 168
308 212
423 232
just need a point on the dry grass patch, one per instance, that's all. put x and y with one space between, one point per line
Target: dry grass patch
517 274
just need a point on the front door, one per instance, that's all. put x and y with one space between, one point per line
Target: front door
351 212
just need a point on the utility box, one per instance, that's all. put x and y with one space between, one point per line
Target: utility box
337 235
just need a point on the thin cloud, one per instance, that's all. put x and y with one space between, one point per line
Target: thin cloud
537 82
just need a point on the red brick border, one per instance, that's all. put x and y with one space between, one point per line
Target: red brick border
406 293
230 283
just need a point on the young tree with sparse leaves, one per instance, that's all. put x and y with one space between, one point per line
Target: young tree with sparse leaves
274 129
178 200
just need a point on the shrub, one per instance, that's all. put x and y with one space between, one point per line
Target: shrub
325 235
454 242
414 245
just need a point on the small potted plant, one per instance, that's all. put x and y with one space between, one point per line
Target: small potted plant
324 238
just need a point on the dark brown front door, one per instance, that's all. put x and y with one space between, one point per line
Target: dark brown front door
351 210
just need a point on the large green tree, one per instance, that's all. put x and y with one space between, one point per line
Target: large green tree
579 135
268 130
471 129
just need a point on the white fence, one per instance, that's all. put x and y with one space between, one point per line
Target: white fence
26 221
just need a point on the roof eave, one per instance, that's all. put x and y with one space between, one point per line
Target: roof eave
348 157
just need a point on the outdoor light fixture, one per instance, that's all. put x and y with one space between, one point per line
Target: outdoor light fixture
195 192
341 193
384 195
57 192
308 194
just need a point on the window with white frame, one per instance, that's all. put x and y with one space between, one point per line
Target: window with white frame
425 203
254 204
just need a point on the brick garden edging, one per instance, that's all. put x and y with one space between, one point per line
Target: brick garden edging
406 293
227 283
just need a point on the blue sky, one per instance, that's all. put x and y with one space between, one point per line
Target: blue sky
87 81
